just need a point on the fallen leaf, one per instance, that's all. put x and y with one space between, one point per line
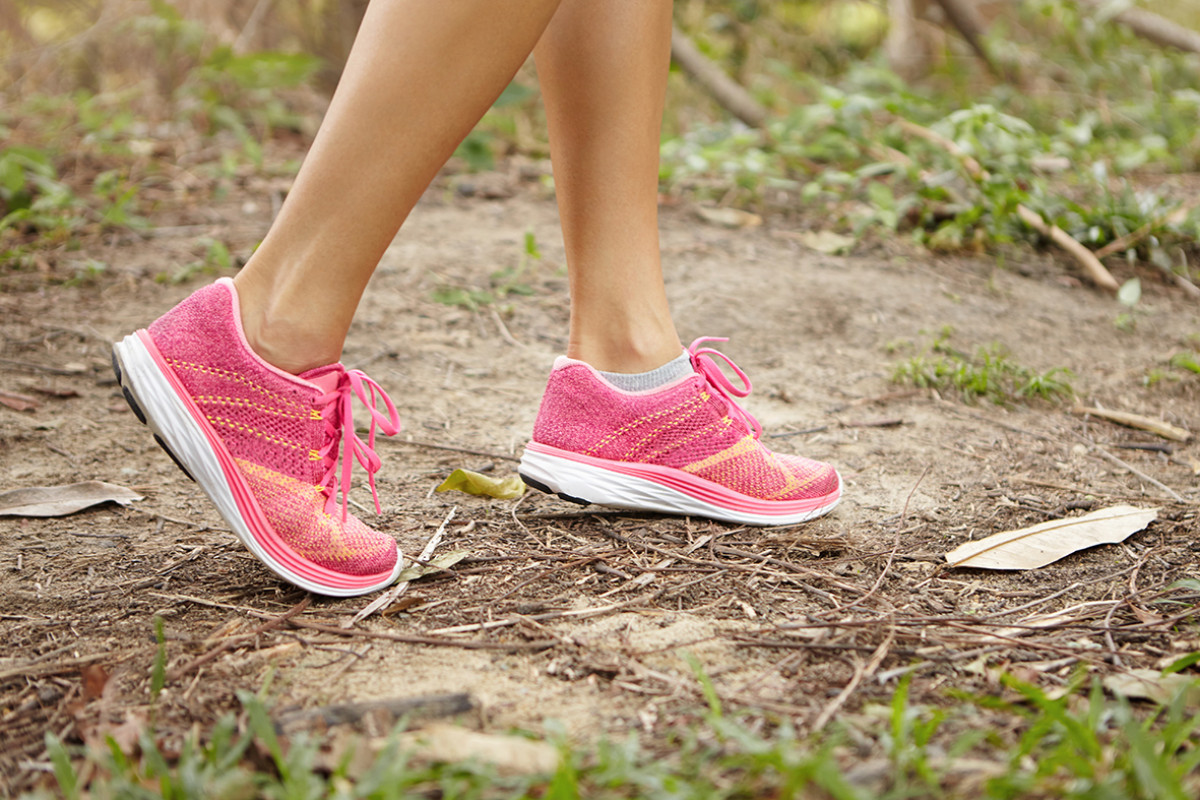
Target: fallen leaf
827 242
18 402
59 501
52 391
1150 684
94 679
1047 542
510 755
729 217
442 562
464 480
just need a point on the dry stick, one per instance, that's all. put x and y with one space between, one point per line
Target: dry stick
1086 259
1157 427
726 91
860 673
1155 28
390 596
725 550
504 331
966 21
579 562
1096 450
233 641
431 705
1133 237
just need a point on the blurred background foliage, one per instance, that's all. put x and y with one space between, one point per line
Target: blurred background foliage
110 108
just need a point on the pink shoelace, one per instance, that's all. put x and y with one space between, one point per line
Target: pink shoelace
337 410
702 359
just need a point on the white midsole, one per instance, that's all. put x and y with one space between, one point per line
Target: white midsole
606 487
168 417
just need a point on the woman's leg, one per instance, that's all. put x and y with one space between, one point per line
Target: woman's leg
602 66
675 439
240 382
420 75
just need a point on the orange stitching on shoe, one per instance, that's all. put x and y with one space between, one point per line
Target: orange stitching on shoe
631 426
237 402
240 428
723 423
232 376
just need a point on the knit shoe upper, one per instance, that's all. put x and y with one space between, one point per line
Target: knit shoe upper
688 437
282 445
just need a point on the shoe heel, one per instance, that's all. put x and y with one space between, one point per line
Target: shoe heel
141 415
541 487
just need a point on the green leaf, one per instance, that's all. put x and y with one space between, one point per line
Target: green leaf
1186 361
64 772
464 480
158 673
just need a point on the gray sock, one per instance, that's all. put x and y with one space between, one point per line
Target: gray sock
641 381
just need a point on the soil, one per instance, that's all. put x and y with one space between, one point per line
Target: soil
579 614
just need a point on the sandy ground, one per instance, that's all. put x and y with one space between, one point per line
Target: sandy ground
595 618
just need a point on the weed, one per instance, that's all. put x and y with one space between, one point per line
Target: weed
217 259
987 373
514 280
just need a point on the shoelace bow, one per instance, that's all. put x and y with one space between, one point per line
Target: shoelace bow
337 410
702 359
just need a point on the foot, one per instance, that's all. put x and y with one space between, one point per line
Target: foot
263 444
685 448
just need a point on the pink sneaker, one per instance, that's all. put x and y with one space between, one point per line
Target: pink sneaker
263 444
685 448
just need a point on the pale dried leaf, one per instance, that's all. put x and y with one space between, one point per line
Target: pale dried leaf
827 242
510 755
1047 542
1150 684
729 217
59 501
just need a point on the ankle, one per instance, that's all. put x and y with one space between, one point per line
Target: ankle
634 353
284 339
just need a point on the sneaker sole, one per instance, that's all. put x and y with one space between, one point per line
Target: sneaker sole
647 487
161 403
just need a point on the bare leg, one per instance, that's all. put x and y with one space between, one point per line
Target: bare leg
602 66
421 74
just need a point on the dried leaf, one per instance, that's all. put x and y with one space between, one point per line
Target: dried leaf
827 242
1150 684
95 677
729 217
53 391
444 561
510 755
59 501
464 480
1047 542
18 402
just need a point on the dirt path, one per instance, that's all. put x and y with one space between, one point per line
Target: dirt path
781 620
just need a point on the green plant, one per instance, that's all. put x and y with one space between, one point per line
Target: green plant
986 373
31 195
514 280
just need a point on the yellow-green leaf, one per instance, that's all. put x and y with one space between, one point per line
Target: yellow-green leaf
463 480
